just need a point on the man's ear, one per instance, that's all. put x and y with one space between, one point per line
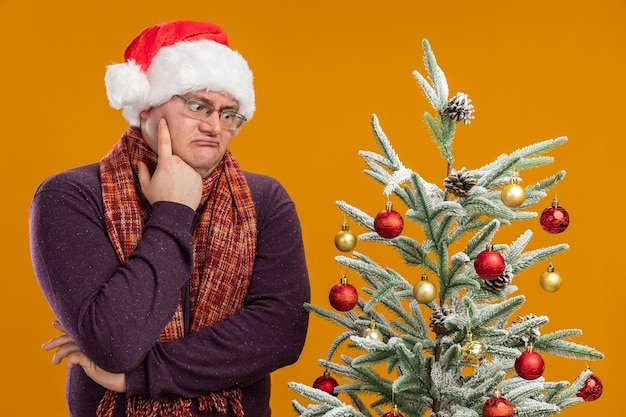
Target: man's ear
145 113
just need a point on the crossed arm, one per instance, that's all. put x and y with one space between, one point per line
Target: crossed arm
67 349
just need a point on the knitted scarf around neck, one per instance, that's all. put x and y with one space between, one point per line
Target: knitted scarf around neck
224 250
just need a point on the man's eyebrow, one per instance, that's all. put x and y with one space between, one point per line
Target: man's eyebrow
204 100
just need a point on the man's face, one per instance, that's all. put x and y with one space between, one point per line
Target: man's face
200 143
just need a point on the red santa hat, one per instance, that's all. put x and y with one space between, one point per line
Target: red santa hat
177 58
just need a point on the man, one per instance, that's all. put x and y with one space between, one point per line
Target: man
177 279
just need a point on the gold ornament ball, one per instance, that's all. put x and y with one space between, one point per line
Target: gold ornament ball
372 332
345 240
473 351
550 281
424 291
513 195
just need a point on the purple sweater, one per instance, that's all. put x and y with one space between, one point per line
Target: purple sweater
115 313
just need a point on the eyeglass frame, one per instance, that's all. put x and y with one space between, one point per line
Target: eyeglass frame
211 109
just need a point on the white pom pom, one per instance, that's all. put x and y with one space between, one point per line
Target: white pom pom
126 85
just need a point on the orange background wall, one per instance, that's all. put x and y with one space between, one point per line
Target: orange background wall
535 70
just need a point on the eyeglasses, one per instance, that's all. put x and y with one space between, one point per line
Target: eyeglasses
202 110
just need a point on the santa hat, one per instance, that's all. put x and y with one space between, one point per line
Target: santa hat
176 58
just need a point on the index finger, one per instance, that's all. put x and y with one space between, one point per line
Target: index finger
164 140
57 341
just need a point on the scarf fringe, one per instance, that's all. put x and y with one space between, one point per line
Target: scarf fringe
144 406
218 402
106 408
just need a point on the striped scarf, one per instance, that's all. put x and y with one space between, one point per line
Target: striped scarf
224 250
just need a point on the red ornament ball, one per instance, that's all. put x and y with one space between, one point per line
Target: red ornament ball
326 383
592 390
489 264
498 407
554 219
529 365
343 296
393 413
388 223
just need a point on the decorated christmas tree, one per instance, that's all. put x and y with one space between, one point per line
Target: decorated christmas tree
450 344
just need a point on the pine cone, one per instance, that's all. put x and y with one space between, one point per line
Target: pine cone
500 283
438 414
533 334
459 109
438 320
459 183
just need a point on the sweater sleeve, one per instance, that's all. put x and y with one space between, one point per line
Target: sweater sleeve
113 311
266 334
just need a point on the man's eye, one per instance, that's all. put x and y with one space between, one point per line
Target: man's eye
195 106
226 115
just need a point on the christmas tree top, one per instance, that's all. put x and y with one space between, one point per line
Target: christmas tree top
472 357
